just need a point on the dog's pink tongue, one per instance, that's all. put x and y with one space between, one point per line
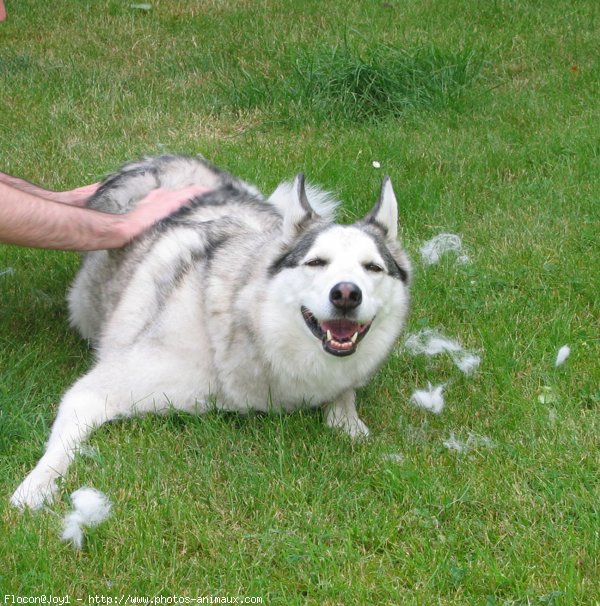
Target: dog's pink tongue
340 329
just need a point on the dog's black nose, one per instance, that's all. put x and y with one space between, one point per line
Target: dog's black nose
345 296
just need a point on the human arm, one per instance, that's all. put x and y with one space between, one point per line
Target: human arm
76 197
28 220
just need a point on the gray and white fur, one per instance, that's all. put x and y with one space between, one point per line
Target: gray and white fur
235 301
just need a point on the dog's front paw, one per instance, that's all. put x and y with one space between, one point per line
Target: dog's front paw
354 427
35 490
341 414
349 424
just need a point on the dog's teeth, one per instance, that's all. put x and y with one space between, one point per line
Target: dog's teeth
329 335
354 337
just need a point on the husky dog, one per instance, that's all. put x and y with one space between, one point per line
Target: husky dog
234 302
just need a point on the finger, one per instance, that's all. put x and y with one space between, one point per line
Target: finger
173 198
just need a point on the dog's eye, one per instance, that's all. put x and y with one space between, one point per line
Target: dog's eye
373 267
316 262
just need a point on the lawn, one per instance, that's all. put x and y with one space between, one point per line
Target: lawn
486 117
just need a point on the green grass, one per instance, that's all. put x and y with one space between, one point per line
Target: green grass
494 137
343 83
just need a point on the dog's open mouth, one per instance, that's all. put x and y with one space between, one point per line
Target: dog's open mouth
339 337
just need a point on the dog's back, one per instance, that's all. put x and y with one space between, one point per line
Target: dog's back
104 275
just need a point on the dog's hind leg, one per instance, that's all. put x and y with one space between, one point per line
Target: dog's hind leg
341 414
84 407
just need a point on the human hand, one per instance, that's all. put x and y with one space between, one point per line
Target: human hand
157 205
77 196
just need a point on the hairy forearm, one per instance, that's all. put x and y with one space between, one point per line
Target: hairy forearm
27 220
27 187
76 197
30 221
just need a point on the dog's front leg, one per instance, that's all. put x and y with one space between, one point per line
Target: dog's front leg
341 414
81 410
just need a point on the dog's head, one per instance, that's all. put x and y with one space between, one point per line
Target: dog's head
340 287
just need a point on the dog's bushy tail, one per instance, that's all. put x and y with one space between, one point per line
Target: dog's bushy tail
324 203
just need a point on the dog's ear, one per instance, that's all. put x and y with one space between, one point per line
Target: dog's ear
385 213
298 212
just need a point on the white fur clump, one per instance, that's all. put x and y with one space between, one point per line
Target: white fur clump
324 203
432 250
88 451
9 271
431 343
394 457
473 441
563 354
430 399
467 362
91 508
